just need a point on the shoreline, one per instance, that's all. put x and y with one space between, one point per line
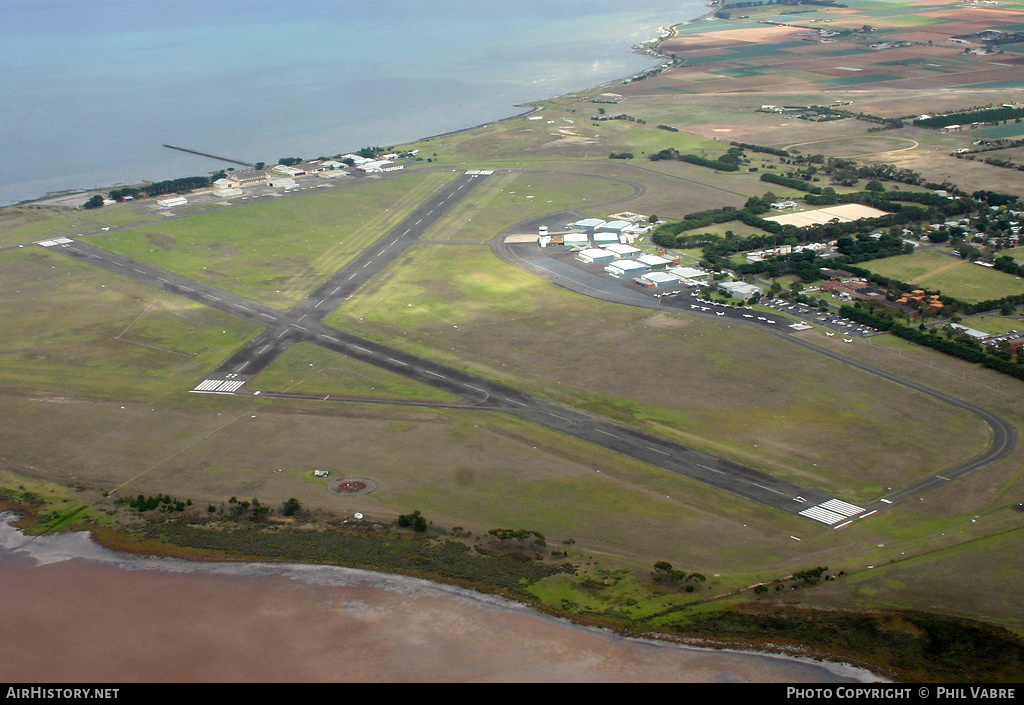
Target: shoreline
529 108
82 545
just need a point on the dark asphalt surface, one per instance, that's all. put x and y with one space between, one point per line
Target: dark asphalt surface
303 324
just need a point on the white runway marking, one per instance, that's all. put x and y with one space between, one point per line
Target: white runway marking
832 511
218 385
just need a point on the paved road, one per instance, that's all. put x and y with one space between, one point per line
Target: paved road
303 323
584 280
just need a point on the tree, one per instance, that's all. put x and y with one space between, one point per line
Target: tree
94 202
416 521
291 507
874 185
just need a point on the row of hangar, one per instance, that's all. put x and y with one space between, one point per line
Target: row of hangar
647 270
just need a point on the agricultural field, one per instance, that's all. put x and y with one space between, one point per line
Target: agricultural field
950 275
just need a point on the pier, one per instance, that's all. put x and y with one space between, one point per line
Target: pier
207 154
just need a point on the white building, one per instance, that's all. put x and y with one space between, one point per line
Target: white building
625 267
172 202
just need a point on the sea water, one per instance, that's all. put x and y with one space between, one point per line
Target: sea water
91 91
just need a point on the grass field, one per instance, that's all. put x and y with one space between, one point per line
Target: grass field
118 338
952 276
996 325
95 370
22 225
685 379
508 198
278 250
311 369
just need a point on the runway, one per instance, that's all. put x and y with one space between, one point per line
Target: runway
303 323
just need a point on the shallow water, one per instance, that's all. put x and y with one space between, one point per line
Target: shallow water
73 611
92 90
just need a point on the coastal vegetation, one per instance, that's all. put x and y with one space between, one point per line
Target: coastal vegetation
924 590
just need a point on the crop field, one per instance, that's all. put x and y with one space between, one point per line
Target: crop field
953 276
278 250
683 380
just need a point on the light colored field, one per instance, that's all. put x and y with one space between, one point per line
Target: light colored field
20 225
844 213
952 276
278 250
685 379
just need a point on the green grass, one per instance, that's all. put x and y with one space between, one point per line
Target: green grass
21 225
996 325
278 250
687 380
954 277
505 199
119 338
311 369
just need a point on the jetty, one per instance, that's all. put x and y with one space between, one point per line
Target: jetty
207 154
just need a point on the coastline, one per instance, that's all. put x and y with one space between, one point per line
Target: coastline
75 551
529 108
82 543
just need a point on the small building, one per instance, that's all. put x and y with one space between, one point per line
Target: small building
222 183
172 202
622 250
613 226
284 183
690 274
289 170
654 280
592 255
601 239
625 267
576 240
654 262
740 290
588 224
228 192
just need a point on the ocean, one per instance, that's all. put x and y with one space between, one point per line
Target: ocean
91 91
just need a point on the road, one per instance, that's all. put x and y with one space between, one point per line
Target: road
587 281
303 323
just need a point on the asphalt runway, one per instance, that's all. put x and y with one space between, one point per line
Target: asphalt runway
303 323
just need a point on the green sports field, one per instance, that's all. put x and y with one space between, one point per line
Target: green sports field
950 275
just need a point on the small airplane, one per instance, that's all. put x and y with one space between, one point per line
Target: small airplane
847 340
830 334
